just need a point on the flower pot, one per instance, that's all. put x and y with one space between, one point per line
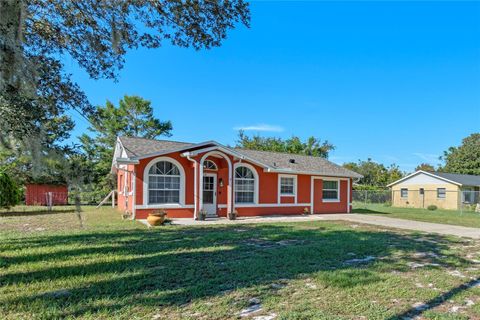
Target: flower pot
155 219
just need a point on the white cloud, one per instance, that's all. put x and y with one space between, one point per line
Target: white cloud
260 127
428 157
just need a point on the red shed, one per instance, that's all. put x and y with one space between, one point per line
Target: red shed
39 194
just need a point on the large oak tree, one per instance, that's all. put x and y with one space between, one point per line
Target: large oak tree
35 36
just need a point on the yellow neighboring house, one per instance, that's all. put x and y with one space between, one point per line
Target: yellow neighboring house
444 190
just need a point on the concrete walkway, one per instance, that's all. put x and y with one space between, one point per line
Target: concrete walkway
428 227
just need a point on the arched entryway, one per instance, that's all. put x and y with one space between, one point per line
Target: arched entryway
212 183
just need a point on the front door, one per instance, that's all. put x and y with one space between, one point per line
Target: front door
210 193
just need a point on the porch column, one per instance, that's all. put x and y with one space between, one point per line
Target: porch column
230 206
200 184
195 190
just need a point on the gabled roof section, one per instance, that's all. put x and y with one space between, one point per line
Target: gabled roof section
455 178
295 163
139 148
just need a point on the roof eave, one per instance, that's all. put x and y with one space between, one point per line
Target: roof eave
159 153
424 172
313 173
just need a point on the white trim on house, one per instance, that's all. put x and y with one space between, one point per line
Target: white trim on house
256 182
295 187
146 178
230 179
165 206
424 172
308 173
134 192
348 196
272 205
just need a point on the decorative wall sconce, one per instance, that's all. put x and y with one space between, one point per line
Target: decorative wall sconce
220 183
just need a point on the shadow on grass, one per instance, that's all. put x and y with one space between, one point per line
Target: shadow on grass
437 301
34 213
174 266
369 211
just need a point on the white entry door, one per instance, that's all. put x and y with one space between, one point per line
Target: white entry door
210 194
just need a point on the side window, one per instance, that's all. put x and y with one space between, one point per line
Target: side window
330 190
441 193
404 193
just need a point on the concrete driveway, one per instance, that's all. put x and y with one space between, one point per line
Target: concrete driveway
428 227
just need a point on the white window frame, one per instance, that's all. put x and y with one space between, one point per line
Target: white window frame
181 203
444 193
401 193
209 161
294 194
338 190
255 183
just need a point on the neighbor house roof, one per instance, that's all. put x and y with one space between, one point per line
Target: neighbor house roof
137 148
455 178
463 179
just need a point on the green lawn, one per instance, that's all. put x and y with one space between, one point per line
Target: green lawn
466 218
113 268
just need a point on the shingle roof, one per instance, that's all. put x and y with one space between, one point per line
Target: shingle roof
464 179
138 147
307 164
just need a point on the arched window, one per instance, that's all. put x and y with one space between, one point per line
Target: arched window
209 165
244 185
163 183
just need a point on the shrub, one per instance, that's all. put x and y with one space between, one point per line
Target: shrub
9 192
432 207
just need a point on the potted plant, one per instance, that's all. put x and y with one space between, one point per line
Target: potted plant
202 215
157 217
306 210
232 215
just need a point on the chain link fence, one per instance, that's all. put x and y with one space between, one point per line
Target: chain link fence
438 199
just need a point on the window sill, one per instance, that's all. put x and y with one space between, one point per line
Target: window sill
330 200
164 206
286 195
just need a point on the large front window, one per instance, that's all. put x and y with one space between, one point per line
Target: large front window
244 185
163 183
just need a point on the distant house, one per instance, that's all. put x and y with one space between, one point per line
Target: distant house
444 190
186 178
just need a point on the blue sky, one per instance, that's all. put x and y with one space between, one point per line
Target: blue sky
398 82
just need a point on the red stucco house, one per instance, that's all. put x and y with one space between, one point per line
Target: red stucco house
185 178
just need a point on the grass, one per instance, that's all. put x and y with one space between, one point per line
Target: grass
113 268
467 218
